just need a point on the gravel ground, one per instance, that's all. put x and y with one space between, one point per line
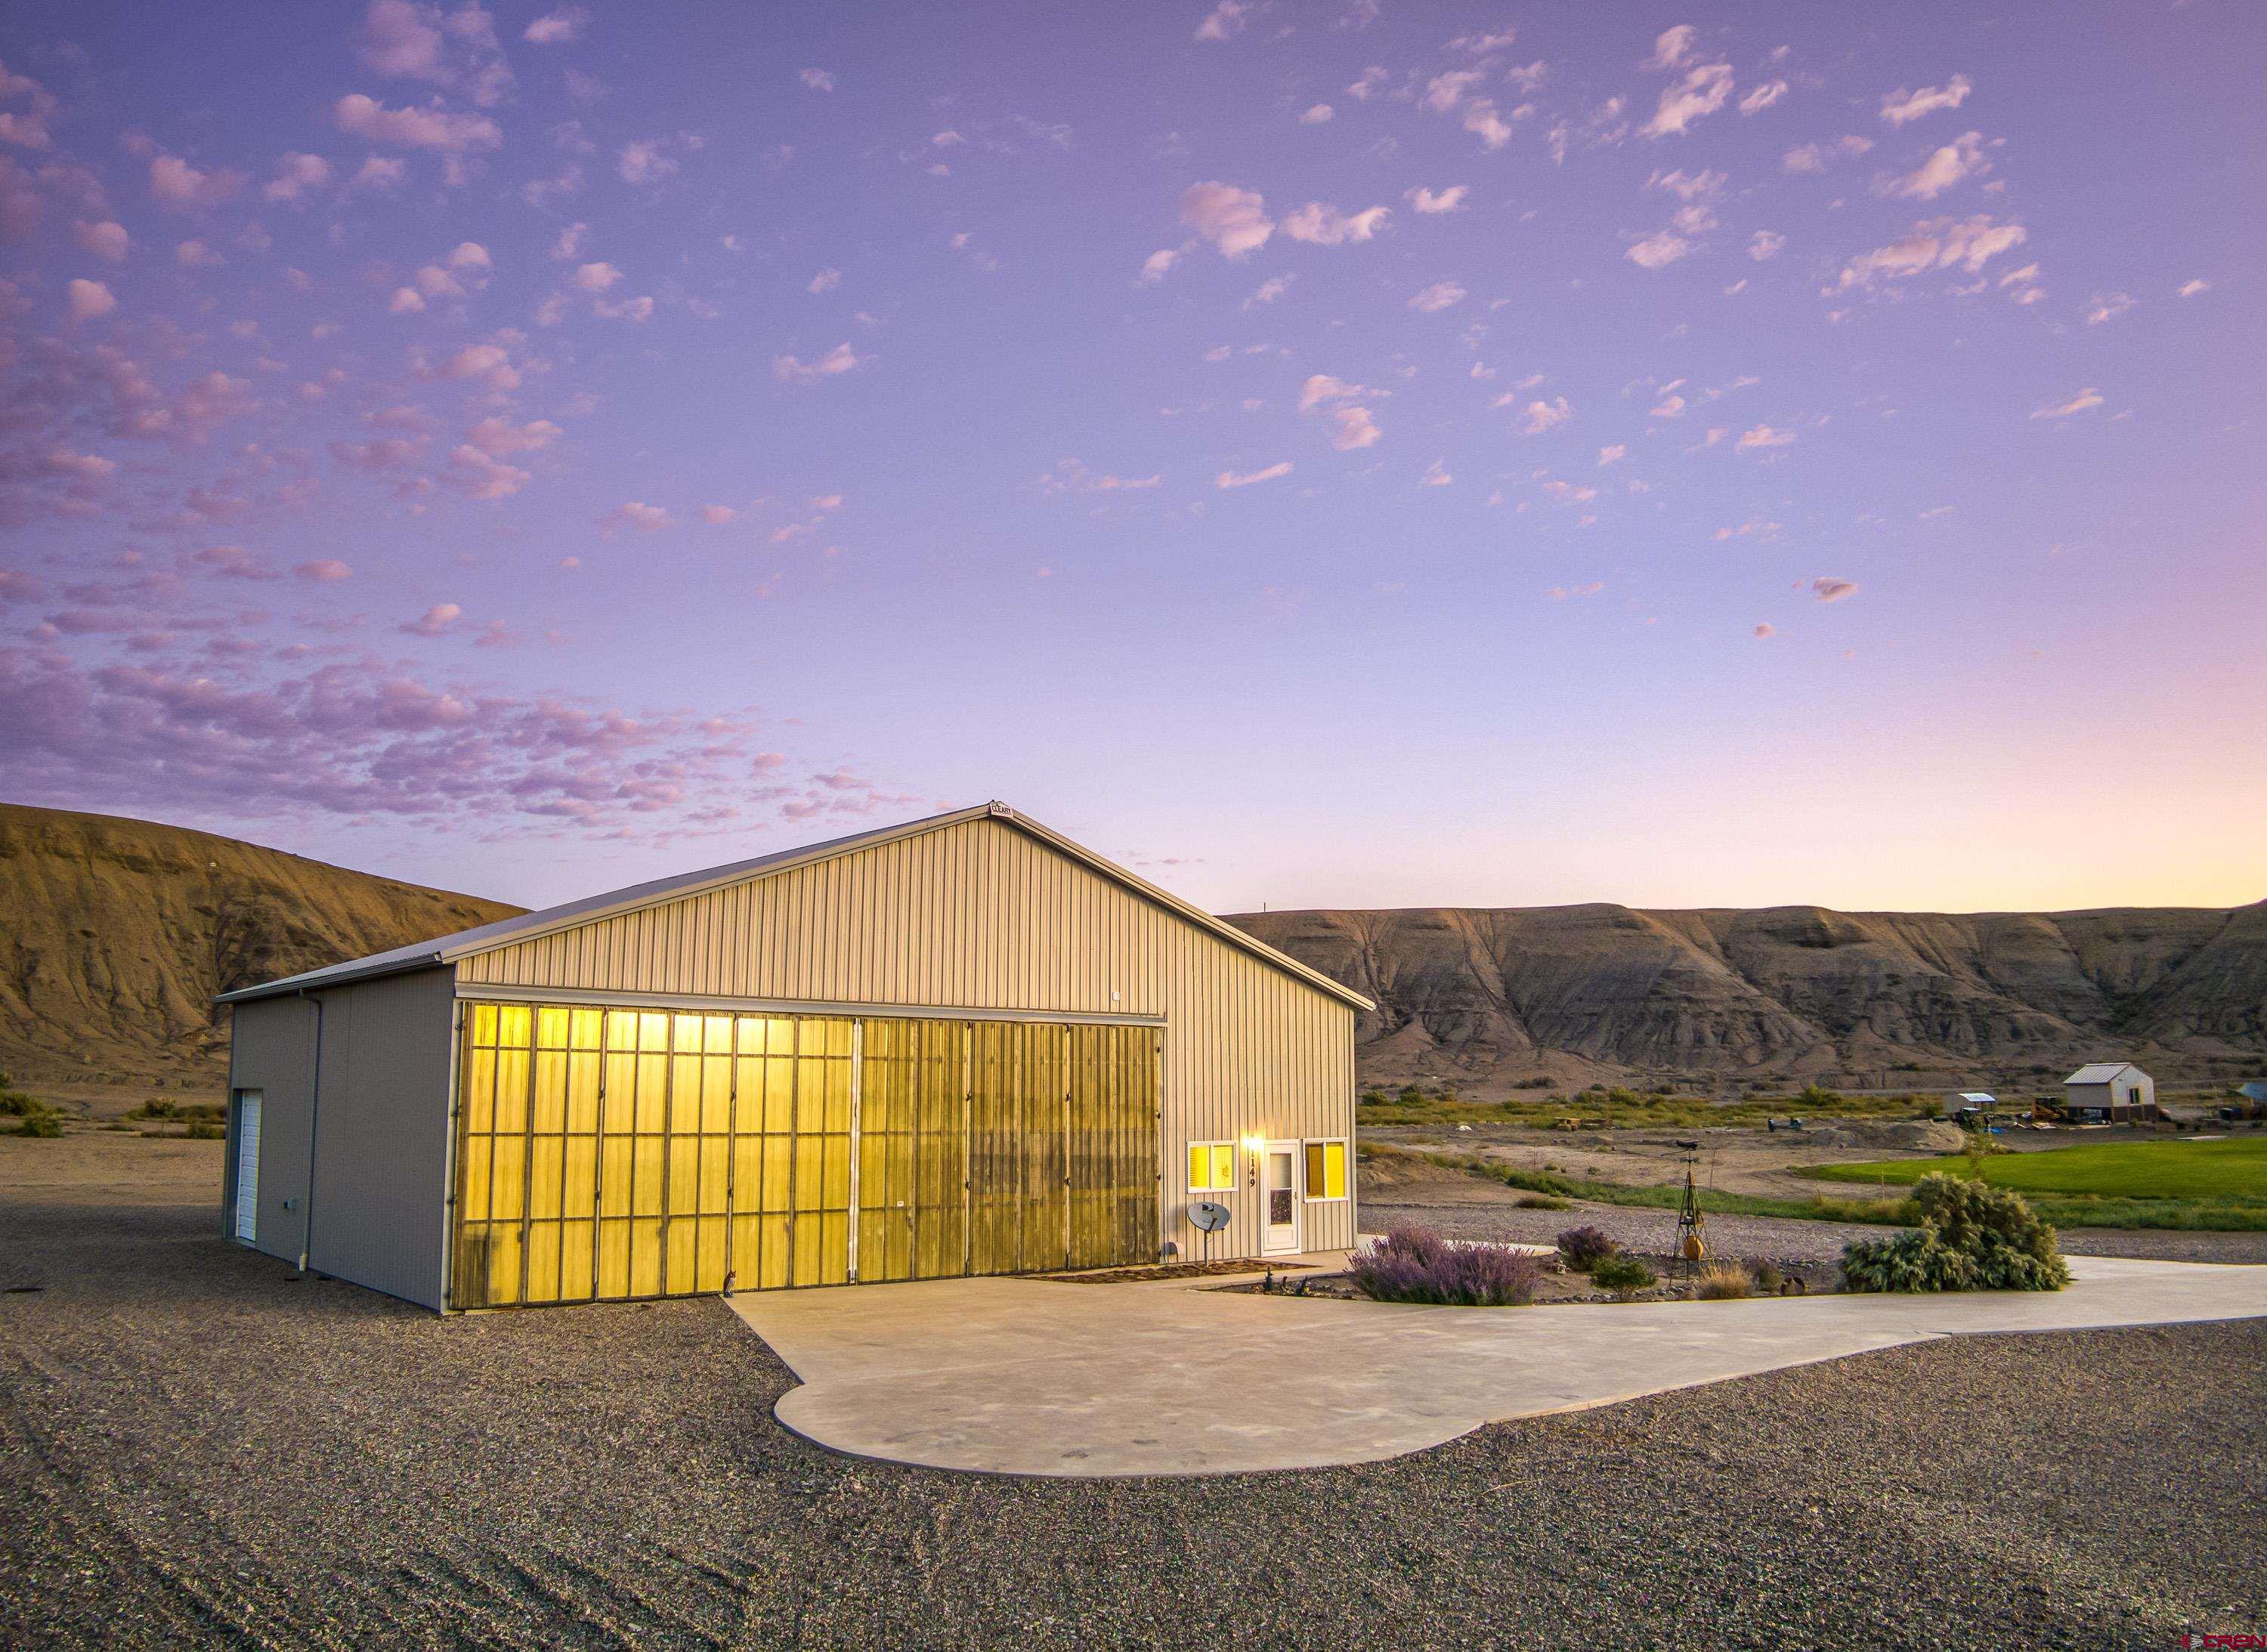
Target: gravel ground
1494 1214
196 1450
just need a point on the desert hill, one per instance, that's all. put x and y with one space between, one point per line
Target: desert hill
115 934
1485 998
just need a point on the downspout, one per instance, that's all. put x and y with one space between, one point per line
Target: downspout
314 1118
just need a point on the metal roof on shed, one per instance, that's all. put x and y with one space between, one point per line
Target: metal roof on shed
449 948
2102 1072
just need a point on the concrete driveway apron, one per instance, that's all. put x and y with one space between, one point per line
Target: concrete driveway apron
1039 1376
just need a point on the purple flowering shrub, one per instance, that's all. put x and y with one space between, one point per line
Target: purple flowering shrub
1412 1265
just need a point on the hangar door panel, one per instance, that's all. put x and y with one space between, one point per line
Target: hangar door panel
612 1153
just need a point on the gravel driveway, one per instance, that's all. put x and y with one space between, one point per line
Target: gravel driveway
196 1450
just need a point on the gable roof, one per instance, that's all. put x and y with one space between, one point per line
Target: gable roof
529 925
2103 1072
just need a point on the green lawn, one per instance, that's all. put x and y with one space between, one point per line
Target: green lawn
2234 1169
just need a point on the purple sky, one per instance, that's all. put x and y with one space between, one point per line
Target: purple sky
1327 453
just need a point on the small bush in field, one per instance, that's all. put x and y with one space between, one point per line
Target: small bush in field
1621 1275
204 1130
1971 1236
40 1124
1412 1265
1584 1248
1724 1283
1546 1201
1766 1275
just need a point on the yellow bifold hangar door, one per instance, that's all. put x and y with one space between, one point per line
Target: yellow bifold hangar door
609 1153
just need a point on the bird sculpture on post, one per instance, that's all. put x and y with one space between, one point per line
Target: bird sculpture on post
1691 1225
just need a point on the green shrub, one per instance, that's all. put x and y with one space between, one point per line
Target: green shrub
14 1103
1621 1275
40 1124
1816 1096
1725 1282
204 1130
1971 1236
1766 1275
1546 1201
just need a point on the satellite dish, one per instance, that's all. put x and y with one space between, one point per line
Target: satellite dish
1209 1216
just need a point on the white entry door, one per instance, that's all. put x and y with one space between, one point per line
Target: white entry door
247 1163
1279 1194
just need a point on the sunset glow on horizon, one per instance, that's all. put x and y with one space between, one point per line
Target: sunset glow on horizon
1336 454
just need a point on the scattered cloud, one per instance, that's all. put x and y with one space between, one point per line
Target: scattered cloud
1244 478
89 299
1225 20
825 281
1317 113
840 359
1430 203
1545 415
108 241
1900 107
1660 248
176 184
324 570
1765 244
1936 243
2084 401
436 620
1701 93
1761 98
428 127
1325 225
2191 288
1071 475
1961 158
1439 296
817 79
557 28
1815 157
1827 588
1159 264
645 161
2108 308
1436 474
1767 630
296 174
638 516
1234 220
1612 455
1761 436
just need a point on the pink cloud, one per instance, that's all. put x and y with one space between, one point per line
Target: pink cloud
644 517
324 570
106 241
431 127
434 621
88 299
1234 220
175 184
840 359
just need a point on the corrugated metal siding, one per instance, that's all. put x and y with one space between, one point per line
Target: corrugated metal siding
382 1139
272 1050
980 916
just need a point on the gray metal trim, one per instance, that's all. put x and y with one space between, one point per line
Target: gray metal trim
607 1000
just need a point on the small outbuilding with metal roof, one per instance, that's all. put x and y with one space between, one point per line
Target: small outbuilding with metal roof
2105 1092
963 1045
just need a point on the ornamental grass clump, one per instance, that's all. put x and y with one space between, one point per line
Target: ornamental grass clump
1971 1236
1582 1249
1414 1265
1725 1283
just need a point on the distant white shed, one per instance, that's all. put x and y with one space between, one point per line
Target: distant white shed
2102 1092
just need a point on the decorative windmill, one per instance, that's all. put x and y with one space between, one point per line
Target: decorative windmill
1691 1224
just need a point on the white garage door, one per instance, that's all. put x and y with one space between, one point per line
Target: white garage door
247 1163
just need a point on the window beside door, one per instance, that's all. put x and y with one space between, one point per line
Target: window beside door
1212 1167
1326 1171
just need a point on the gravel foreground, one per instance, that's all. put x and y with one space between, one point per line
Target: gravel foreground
197 1450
